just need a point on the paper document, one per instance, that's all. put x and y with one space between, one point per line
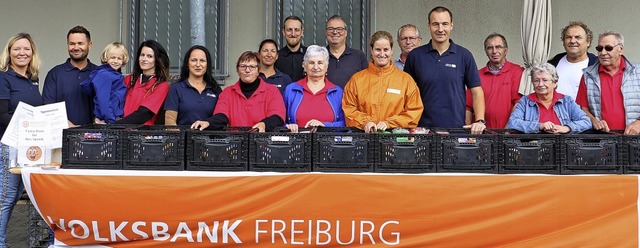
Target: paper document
55 115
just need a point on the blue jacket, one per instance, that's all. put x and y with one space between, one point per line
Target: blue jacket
107 87
293 97
525 117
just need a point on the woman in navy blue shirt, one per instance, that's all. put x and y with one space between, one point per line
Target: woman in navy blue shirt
19 68
195 95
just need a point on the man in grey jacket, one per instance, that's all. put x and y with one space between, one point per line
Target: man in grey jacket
608 89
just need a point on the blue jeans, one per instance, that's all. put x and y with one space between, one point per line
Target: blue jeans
12 188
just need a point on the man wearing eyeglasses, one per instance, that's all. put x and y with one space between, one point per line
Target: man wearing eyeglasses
408 38
576 40
343 60
608 90
442 70
500 82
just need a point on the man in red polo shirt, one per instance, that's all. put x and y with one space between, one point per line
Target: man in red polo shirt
608 89
500 80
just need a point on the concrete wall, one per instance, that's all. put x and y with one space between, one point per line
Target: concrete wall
48 22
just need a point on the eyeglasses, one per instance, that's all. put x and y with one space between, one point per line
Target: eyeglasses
488 48
607 48
251 67
339 30
538 81
409 38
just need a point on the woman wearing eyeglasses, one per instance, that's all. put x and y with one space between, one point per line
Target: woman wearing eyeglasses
249 102
546 110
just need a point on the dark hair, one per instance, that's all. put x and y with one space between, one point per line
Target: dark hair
336 17
208 76
79 30
246 56
494 35
264 42
161 63
440 9
296 18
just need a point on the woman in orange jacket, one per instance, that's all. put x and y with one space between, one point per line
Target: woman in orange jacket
381 97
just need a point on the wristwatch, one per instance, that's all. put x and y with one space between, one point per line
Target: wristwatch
481 121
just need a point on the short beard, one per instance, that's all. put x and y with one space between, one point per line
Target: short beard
81 59
293 45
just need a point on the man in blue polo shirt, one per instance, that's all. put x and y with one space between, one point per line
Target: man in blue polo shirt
442 69
343 61
63 81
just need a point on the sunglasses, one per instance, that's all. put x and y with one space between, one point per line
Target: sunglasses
607 48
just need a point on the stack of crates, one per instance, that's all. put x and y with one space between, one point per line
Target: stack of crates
93 147
218 150
280 151
37 230
460 151
343 150
530 153
591 152
154 148
405 153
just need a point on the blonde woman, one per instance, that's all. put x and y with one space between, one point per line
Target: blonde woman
19 68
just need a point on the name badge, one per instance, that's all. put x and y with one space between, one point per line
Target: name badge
393 91
450 65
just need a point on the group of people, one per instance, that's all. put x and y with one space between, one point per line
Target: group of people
433 85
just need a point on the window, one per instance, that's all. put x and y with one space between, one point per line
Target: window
314 15
177 28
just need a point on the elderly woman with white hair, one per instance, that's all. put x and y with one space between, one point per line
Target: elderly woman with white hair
314 101
546 110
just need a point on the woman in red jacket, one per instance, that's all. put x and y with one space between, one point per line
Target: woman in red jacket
147 86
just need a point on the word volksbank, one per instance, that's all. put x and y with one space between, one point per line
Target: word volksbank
291 232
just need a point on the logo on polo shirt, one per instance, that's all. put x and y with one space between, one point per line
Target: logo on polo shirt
211 95
450 65
34 82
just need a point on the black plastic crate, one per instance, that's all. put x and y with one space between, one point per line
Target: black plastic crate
405 153
343 150
460 151
629 154
280 151
154 148
37 228
92 147
530 153
218 150
591 153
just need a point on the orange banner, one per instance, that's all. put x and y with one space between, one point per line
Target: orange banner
216 209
